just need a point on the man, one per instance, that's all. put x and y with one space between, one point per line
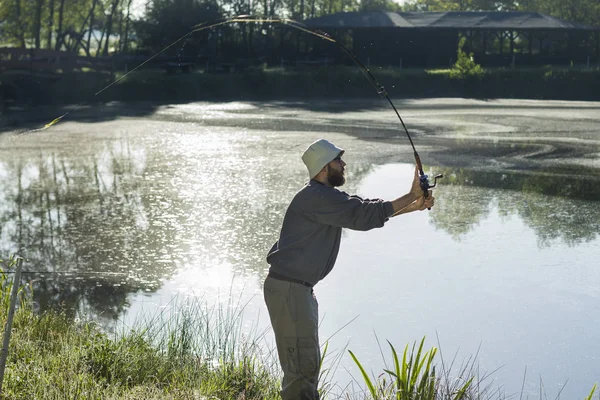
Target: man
306 252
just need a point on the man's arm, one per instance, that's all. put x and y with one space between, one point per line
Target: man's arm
401 204
330 206
418 205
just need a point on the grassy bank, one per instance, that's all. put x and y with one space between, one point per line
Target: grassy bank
195 352
324 82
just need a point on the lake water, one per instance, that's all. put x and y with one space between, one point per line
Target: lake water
122 209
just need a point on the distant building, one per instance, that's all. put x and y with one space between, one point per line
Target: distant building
430 39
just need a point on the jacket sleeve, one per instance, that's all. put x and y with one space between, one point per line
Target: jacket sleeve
337 208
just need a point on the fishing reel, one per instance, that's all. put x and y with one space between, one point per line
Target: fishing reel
424 182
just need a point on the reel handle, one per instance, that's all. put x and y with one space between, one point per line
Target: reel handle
425 186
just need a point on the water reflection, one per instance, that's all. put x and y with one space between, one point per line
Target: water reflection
579 184
553 218
84 222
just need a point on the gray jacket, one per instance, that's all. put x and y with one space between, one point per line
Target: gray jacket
312 229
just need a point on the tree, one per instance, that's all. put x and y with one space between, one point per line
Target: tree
59 29
38 22
58 24
456 5
582 11
50 24
15 23
124 46
379 5
168 20
109 25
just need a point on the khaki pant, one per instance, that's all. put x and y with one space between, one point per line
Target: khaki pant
295 317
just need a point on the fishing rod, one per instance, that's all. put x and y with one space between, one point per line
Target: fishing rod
423 177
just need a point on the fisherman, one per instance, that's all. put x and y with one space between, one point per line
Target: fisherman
305 253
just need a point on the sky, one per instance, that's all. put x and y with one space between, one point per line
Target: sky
138 7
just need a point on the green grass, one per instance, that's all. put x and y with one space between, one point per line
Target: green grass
53 357
197 353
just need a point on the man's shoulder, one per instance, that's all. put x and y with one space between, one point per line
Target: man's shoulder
317 190
313 186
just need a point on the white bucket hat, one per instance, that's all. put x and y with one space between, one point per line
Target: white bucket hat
318 155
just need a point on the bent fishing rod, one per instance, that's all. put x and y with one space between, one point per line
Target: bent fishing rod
423 178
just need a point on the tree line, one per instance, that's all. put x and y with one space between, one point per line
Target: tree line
103 27
85 26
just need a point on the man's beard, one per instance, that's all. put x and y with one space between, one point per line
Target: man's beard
335 177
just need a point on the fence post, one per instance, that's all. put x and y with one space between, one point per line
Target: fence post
9 320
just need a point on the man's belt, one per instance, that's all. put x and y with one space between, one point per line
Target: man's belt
280 277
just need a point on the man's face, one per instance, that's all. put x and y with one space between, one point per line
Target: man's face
335 172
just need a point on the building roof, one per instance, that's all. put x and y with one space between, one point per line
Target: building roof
450 19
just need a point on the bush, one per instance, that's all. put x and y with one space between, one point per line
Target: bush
465 66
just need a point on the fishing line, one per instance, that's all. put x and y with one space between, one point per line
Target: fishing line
424 182
68 274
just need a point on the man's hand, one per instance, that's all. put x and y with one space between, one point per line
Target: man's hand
424 203
413 200
416 190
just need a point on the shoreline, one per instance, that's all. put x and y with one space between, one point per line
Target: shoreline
278 84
